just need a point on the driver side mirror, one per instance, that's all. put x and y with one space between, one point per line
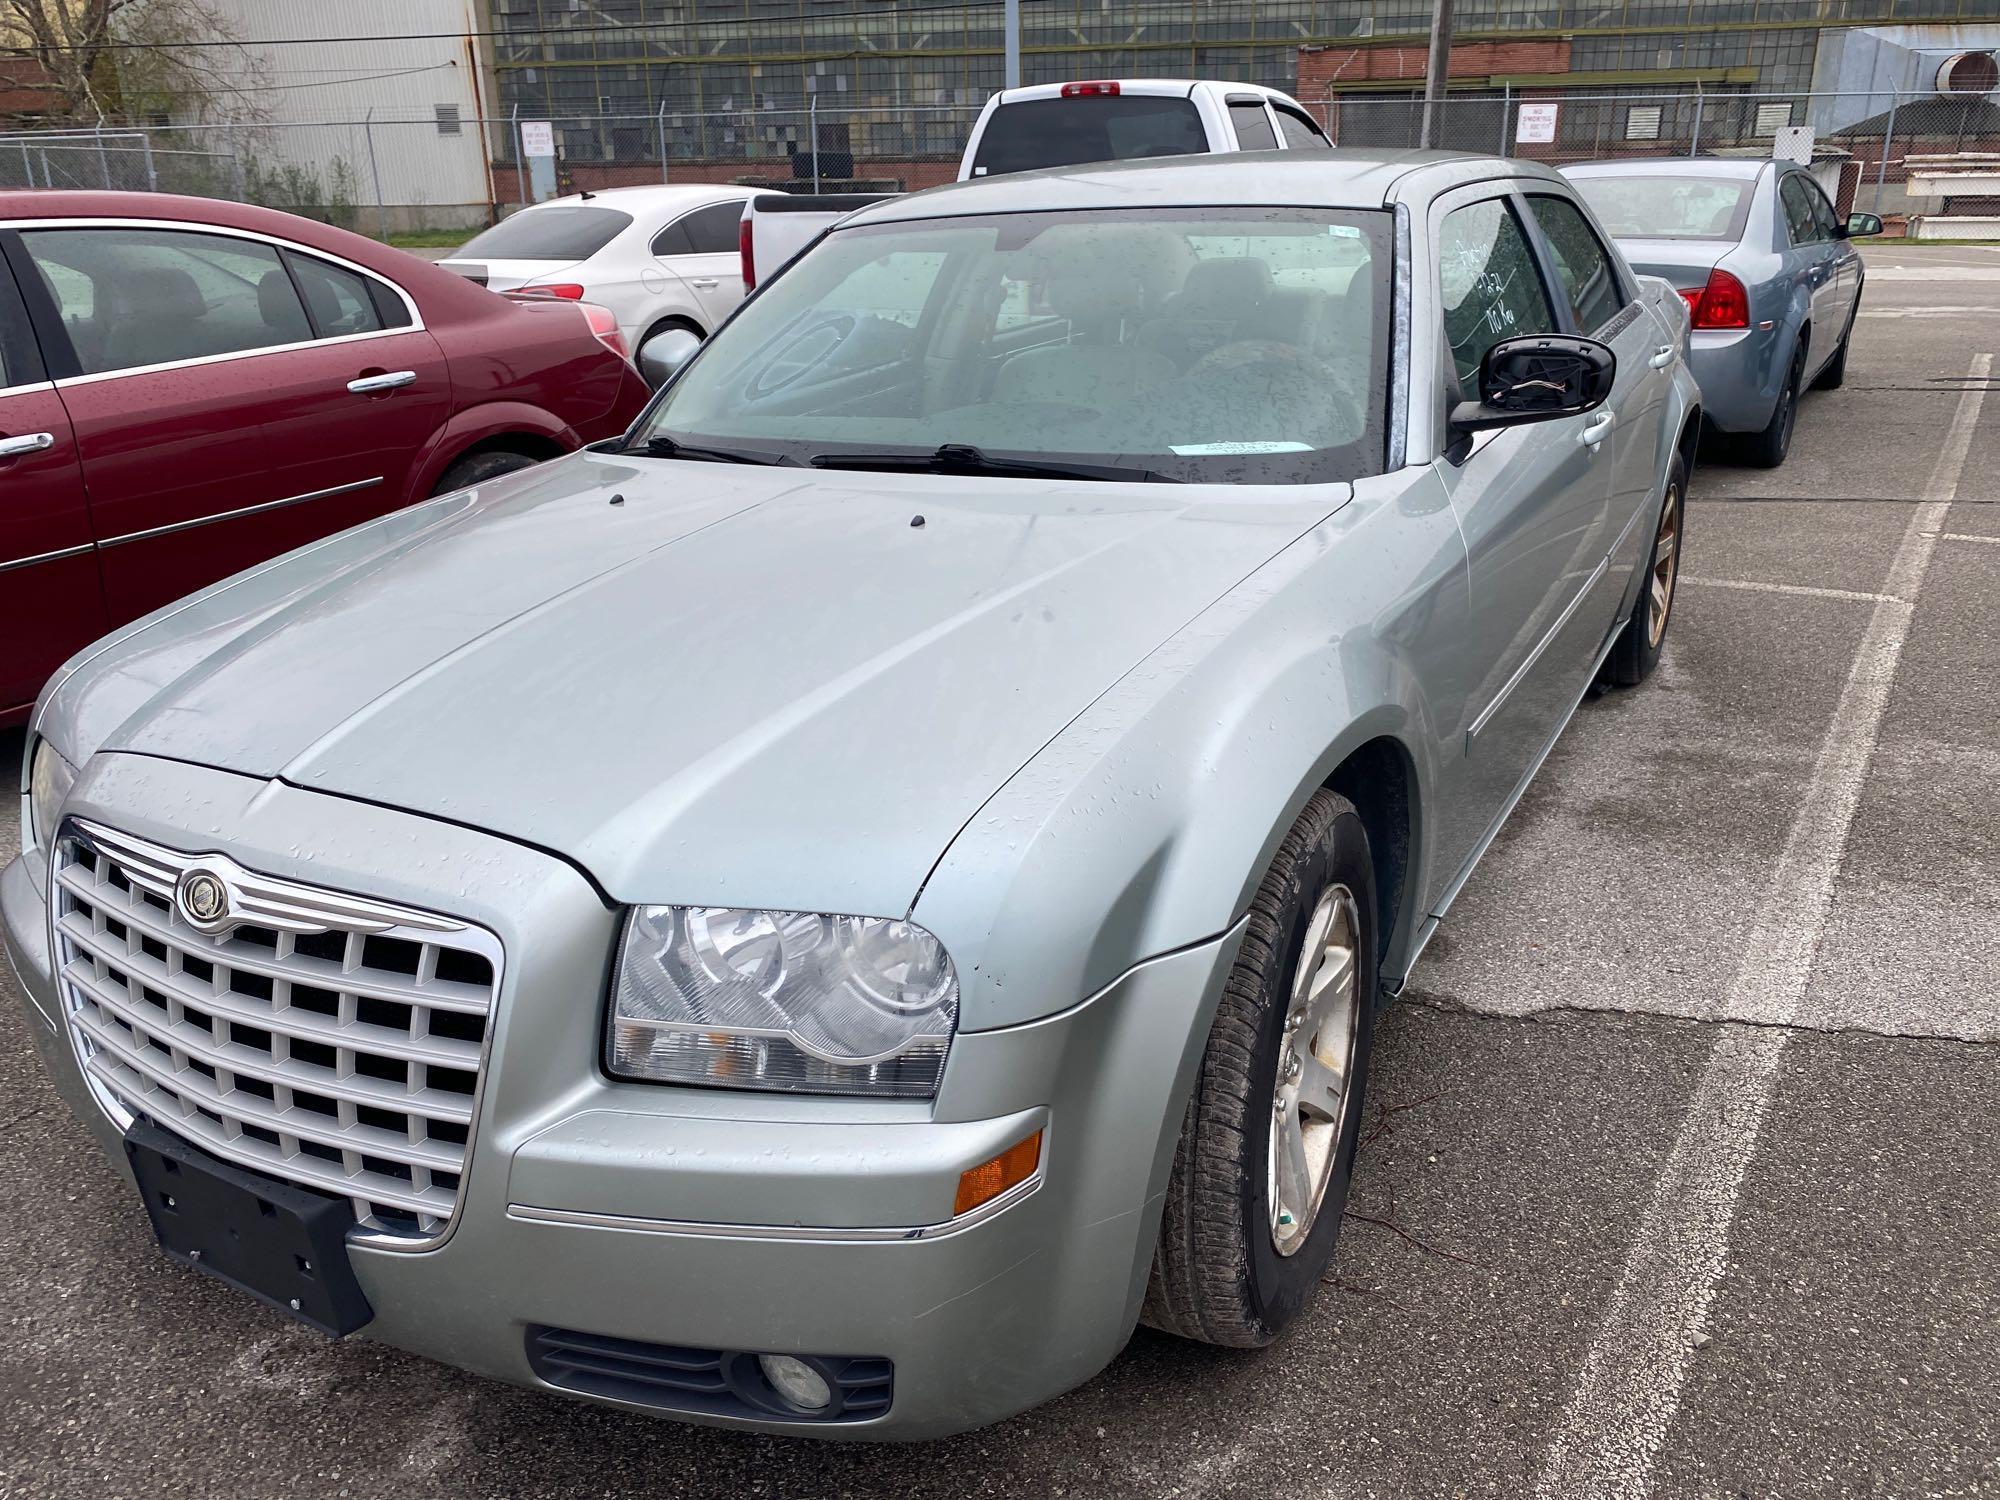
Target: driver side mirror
661 356
1536 379
1861 225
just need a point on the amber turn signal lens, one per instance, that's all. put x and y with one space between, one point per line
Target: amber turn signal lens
990 1179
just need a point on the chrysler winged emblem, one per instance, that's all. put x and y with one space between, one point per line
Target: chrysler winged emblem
203 900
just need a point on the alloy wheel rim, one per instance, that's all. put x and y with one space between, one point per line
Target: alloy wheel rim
1315 1069
1666 567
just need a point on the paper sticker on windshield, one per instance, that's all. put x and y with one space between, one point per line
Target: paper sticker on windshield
1206 450
1344 231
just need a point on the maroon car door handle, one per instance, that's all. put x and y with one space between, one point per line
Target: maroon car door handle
374 385
28 442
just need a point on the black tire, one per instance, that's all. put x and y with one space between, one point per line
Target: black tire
476 468
1767 449
1218 1276
1632 660
1834 376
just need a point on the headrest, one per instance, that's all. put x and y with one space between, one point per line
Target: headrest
1103 268
1232 285
277 303
163 293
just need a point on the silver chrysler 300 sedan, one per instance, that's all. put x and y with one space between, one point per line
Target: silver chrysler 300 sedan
820 915
1766 267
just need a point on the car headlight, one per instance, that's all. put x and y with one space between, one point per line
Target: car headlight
782 1000
49 779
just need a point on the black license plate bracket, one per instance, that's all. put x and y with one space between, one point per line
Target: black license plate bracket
282 1244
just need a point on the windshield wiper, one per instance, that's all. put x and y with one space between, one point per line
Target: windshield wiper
662 446
963 458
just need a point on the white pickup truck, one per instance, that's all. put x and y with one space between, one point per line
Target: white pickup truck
1062 125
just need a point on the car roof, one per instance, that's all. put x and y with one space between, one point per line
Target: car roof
1673 166
1317 179
1153 87
649 197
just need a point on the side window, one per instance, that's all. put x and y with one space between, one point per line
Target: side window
134 297
1491 288
673 240
1253 127
1796 196
713 230
20 356
1829 222
1299 132
337 299
1582 262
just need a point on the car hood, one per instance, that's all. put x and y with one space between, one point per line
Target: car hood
1686 263
704 684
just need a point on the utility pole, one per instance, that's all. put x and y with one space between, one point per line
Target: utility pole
1012 78
1435 73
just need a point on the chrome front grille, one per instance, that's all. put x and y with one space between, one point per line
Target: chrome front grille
326 1039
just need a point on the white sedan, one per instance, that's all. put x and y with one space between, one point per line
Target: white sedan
662 259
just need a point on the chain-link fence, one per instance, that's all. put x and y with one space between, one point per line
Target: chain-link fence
1931 163
1920 162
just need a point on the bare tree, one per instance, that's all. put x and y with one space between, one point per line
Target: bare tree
101 60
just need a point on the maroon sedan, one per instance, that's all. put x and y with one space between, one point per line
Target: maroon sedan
189 387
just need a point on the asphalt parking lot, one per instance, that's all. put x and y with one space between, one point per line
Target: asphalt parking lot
1684 1176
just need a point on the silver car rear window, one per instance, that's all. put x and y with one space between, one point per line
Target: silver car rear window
1669 208
558 232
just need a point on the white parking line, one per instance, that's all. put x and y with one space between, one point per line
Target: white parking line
1759 586
1967 536
1629 1389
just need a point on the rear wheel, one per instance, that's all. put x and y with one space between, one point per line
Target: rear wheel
1261 1172
1834 376
1638 650
1767 449
477 468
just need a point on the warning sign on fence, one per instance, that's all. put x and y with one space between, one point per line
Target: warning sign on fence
1535 124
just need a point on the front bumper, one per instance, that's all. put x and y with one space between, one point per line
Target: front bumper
724 1221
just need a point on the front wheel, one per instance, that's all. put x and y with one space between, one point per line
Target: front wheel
1267 1145
1632 660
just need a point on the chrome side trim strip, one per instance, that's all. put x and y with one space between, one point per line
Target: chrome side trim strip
577 1219
1590 584
1569 610
212 359
41 557
230 515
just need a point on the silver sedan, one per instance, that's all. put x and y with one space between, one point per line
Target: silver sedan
821 915
1770 277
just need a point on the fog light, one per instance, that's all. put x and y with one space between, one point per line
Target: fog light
990 1179
797 1381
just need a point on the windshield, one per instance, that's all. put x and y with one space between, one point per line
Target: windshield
557 232
1036 133
1226 345
1669 208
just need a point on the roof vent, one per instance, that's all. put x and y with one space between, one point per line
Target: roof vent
1969 73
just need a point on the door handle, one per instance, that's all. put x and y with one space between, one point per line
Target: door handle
705 283
1662 357
369 385
1596 429
27 442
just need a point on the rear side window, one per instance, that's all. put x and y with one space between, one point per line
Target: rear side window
20 357
713 230
557 231
1582 262
1490 287
135 297
1036 133
1299 132
337 299
1253 127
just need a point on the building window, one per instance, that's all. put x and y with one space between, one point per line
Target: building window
447 118
1642 122
1772 118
